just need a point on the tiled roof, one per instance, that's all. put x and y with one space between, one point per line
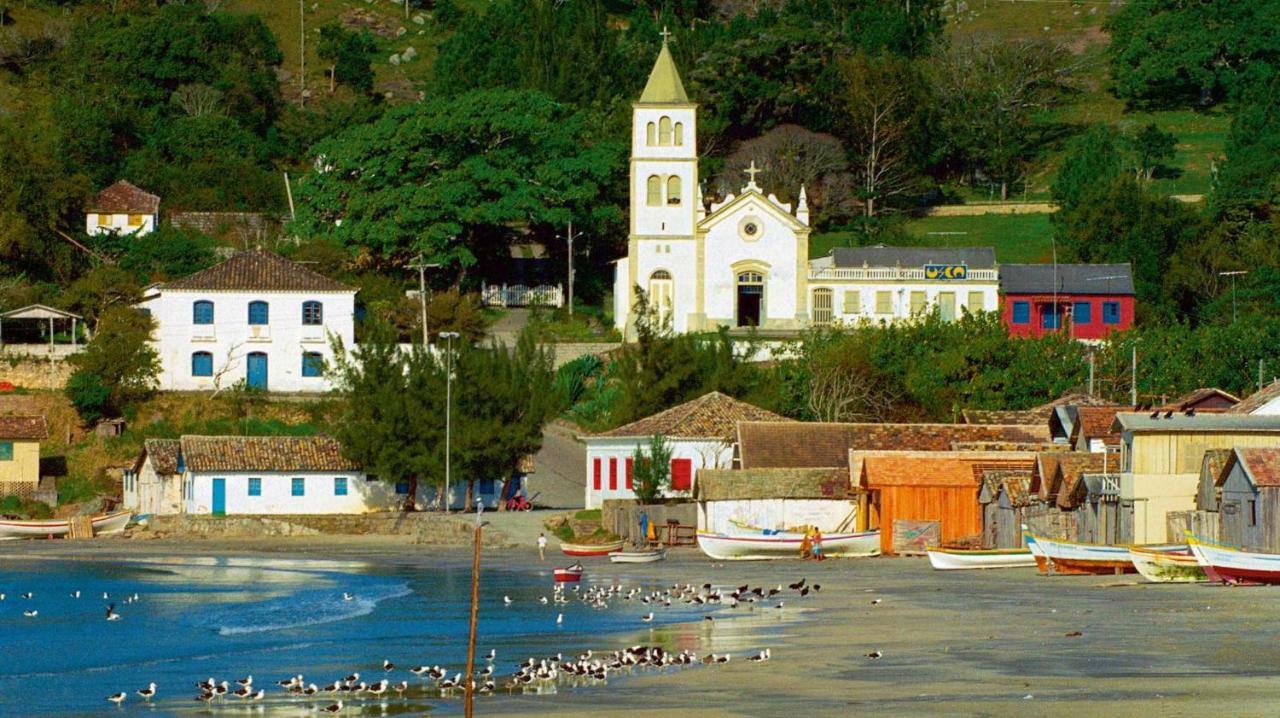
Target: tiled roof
1016 483
1262 465
710 416
1004 416
1206 398
817 445
1071 470
1112 279
882 256
264 453
1213 463
163 453
735 484
259 270
124 198
17 427
1095 422
1257 400
1075 398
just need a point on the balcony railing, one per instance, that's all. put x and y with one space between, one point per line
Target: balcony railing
896 274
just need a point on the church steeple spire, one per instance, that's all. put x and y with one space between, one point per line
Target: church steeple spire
664 86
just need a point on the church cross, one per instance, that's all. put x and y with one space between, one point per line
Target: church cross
666 35
752 171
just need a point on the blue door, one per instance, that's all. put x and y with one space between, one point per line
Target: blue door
219 497
257 365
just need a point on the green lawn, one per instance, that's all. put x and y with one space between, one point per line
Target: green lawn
1015 237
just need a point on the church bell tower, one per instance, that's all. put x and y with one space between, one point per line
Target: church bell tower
664 155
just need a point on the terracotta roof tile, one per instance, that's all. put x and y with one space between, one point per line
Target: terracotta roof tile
710 416
1016 483
1214 463
1071 470
164 455
1096 422
1257 400
1010 416
264 453
1205 398
18 427
259 270
1262 465
124 198
818 445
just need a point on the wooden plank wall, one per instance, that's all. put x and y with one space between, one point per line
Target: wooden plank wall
956 509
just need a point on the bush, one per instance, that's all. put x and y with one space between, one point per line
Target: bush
89 395
24 508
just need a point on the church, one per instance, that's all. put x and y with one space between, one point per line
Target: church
744 261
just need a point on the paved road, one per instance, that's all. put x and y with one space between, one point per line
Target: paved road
560 470
508 327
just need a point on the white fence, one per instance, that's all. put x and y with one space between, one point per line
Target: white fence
518 295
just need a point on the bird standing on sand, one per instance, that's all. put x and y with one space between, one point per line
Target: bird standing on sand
116 698
388 666
874 655
334 708
148 693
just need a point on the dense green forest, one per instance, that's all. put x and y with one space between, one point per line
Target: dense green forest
455 129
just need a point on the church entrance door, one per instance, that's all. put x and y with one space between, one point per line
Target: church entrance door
750 298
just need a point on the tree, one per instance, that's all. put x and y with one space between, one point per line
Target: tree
1093 159
456 178
882 100
100 289
1151 146
792 157
350 56
117 368
1248 184
651 469
1169 53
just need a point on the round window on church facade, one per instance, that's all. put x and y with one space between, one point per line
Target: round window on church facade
750 229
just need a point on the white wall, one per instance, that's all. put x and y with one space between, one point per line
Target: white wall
664 161
1271 408
701 453
826 514
900 294
776 246
621 293
94 224
679 258
230 338
150 493
362 495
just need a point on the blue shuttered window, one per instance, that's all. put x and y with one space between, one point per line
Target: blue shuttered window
201 364
258 312
1111 312
1021 312
312 364
340 486
1082 313
299 487
6 451
402 488
255 487
312 313
202 312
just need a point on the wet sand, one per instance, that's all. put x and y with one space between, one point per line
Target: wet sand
967 643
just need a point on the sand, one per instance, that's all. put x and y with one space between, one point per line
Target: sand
967 643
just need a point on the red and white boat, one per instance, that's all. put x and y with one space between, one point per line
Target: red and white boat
568 574
1228 565
56 528
591 549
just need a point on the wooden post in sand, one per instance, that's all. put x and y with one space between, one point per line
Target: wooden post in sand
470 690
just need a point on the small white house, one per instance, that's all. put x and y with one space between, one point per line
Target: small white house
777 499
700 434
122 208
154 484
224 475
256 318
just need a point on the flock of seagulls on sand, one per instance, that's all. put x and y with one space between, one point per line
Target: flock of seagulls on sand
533 674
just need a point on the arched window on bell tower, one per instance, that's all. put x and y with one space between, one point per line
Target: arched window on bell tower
679 133
664 130
653 191
651 134
673 189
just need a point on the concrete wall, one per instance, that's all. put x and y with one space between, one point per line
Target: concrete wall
34 372
95 224
425 528
826 514
319 497
24 469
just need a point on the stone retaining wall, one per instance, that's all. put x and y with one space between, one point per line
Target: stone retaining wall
565 352
423 528
34 372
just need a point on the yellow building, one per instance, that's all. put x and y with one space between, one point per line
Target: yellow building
20 438
1161 457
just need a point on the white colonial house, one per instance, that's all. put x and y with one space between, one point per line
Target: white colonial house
699 433
256 318
744 261
122 208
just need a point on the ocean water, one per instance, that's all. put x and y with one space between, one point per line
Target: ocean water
227 618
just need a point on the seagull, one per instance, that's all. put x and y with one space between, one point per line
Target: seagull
709 619
876 601
780 605
28 595
246 682
310 690
333 708
111 613
762 656
506 600
401 687
347 597
817 587
262 692
379 688
116 698
543 600
31 614
874 655
388 666
105 597
797 585
559 619
75 594
647 617
493 653
148 693
419 670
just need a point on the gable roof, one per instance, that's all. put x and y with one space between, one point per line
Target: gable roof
1260 464
1072 279
1257 400
816 444
882 256
1214 463
264 453
721 211
711 416
164 455
1015 483
664 86
1071 470
124 198
1206 398
260 270
23 428
1097 422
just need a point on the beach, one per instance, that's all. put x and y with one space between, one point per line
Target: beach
980 643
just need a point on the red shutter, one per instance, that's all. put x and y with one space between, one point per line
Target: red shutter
613 473
681 474
629 486
595 466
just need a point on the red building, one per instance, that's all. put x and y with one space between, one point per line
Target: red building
1090 301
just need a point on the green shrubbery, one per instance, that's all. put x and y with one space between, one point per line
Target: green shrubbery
24 508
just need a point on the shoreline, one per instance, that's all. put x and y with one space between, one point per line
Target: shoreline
989 643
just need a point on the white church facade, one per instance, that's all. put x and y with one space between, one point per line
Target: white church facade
744 261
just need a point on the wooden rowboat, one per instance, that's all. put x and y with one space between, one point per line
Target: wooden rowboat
945 559
568 574
599 549
1066 557
105 524
1228 565
725 547
638 556
1160 566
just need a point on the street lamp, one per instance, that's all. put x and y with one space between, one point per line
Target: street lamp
448 412
570 236
1233 276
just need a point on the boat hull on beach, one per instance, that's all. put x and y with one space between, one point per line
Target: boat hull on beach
958 560
105 524
1228 565
759 547
568 574
638 556
588 550
1166 566
1064 557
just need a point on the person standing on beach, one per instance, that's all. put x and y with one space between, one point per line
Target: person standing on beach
542 546
644 528
806 545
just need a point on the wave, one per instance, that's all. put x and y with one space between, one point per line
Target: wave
304 608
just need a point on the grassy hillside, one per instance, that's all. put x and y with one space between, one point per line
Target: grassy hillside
1016 238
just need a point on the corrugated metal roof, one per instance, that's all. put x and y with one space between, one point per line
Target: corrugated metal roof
882 256
1072 279
1145 422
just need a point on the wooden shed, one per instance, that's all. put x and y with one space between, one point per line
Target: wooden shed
1250 506
1005 497
1209 489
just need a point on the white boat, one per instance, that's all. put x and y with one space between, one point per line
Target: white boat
1166 567
53 528
657 554
784 544
1228 565
945 559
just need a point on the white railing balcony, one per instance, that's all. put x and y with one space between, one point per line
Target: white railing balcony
896 274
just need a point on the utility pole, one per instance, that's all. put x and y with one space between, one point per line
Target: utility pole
422 268
1091 373
448 413
570 237
1133 385
302 56
468 702
1233 276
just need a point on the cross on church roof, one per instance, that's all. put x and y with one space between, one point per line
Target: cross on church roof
666 34
751 173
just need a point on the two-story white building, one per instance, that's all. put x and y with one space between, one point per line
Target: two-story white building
122 208
256 318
